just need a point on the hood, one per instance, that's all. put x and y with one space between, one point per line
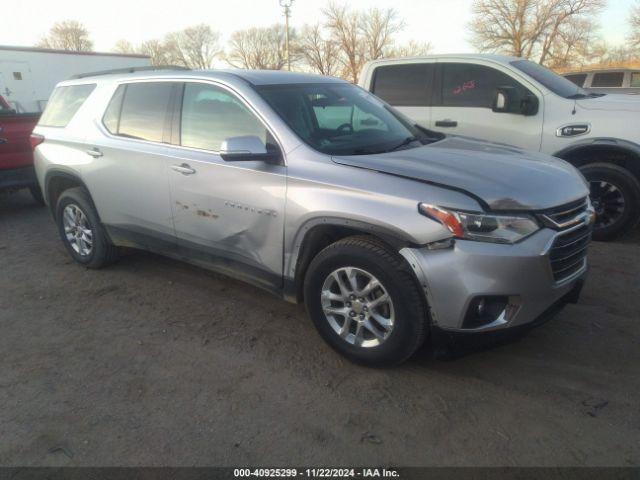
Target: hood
612 102
500 176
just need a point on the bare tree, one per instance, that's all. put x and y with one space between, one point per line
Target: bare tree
194 47
318 52
634 21
260 48
362 36
411 49
344 26
124 46
158 51
378 28
532 28
573 46
67 35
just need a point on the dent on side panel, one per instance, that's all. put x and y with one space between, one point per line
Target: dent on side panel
320 191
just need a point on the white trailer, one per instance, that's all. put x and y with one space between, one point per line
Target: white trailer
28 75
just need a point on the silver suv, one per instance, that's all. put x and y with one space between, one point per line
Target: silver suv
316 190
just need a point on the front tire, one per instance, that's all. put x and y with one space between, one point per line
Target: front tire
365 302
81 231
615 195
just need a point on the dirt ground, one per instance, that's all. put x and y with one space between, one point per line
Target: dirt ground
153 362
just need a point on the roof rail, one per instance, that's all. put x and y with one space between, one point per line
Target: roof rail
130 70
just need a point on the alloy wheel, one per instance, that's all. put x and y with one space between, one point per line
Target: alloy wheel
358 307
77 230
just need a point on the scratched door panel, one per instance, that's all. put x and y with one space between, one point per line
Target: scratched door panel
229 214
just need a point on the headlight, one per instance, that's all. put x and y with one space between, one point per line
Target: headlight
482 227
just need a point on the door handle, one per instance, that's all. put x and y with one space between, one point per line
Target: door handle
446 123
94 152
184 169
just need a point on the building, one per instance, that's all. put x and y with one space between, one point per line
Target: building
29 75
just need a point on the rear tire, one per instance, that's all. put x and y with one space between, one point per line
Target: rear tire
369 329
615 194
81 232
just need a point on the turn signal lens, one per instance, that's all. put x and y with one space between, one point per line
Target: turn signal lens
35 140
445 217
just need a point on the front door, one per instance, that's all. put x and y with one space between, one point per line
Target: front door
464 102
228 215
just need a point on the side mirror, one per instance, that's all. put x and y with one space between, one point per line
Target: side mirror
509 100
246 149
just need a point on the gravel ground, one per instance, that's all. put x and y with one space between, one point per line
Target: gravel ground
153 362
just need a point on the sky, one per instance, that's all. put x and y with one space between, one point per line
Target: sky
441 22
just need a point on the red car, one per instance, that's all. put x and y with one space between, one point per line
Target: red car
16 153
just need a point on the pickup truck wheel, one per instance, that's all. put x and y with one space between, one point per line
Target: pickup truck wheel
36 193
615 195
81 230
365 303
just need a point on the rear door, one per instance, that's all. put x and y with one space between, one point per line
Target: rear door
228 215
408 87
463 104
128 177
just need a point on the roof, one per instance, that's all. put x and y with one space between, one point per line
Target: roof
274 77
69 52
601 70
254 77
466 56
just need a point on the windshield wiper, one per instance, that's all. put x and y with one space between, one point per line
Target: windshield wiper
581 96
404 143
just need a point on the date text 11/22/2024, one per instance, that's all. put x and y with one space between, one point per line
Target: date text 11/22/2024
311 473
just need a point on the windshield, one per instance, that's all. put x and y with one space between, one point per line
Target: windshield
342 119
554 82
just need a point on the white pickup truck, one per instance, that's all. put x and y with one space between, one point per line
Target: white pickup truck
518 102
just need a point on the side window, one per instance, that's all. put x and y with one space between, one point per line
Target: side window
608 79
577 78
211 114
64 103
406 85
111 117
468 85
143 111
635 79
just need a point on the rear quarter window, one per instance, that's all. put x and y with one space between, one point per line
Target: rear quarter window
139 110
608 79
406 85
64 103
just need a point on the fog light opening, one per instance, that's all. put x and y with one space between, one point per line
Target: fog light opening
485 310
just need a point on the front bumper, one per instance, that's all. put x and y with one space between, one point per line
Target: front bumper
454 277
17 177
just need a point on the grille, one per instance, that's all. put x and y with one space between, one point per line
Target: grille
569 252
569 249
566 214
